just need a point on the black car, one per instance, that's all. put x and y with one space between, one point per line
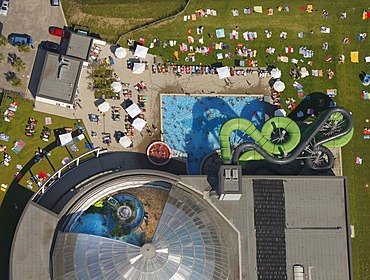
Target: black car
50 46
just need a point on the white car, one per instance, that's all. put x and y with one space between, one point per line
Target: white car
4 8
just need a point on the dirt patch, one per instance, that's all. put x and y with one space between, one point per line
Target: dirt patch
153 201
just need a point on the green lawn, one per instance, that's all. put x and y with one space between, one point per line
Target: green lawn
16 130
111 18
346 78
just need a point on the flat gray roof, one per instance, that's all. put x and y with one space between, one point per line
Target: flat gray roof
316 234
32 243
59 82
79 46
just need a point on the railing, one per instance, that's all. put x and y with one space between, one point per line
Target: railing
75 162
154 22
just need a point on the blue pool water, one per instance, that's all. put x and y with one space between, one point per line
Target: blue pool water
97 224
191 124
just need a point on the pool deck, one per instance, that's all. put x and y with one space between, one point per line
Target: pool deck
158 83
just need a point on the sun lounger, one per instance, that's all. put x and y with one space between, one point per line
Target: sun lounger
354 56
220 33
257 9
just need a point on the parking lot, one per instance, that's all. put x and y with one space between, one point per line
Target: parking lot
33 18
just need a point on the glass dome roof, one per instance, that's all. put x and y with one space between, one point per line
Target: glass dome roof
187 244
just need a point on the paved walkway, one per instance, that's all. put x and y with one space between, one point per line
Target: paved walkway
157 83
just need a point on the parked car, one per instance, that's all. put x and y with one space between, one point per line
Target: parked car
54 2
56 31
4 8
15 39
50 46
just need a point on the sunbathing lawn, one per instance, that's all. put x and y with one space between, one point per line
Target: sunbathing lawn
346 78
16 130
111 18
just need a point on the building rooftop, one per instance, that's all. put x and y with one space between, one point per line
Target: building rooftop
278 222
316 231
79 46
59 78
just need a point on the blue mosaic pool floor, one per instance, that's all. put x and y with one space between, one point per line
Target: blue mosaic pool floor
191 124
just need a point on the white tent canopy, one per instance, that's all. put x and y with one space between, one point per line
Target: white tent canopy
280 113
125 141
138 68
104 107
120 52
223 72
141 51
133 110
279 86
65 138
116 86
276 73
139 123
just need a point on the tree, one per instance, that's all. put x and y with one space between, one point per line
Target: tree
18 64
3 40
23 48
16 81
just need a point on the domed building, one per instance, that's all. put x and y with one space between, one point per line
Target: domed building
99 220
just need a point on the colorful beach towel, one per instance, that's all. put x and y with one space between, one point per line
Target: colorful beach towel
18 146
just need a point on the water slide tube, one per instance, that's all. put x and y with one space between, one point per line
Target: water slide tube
292 147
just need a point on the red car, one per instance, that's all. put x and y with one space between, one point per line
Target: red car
56 31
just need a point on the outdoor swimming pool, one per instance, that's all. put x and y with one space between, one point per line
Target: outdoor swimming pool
104 222
191 124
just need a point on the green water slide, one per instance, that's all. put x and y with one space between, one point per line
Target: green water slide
262 138
280 140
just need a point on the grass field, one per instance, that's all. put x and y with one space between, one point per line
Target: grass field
16 130
111 18
346 78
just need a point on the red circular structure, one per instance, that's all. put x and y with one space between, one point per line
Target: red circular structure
158 153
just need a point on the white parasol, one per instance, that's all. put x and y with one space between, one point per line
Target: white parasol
104 107
116 86
141 51
133 110
138 68
125 141
139 123
120 52
279 86
223 72
65 138
276 73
